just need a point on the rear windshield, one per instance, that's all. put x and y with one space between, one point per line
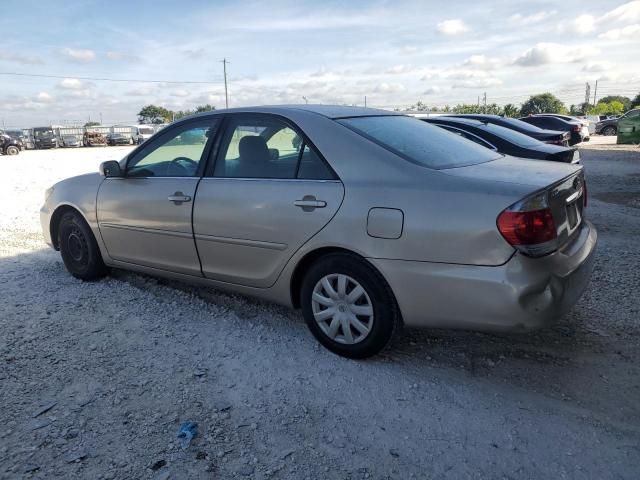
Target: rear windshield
512 136
420 142
145 131
521 125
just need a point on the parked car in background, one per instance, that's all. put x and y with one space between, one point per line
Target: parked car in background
118 139
574 127
18 135
93 139
629 127
69 141
362 218
44 137
546 136
9 145
505 140
142 133
584 131
609 126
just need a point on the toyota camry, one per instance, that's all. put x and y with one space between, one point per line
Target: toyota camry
364 219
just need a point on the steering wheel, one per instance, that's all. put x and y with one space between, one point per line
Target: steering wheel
184 164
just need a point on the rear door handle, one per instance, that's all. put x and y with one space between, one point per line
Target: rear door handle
309 203
178 198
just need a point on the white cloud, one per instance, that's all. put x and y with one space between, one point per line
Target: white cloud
43 97
408 50
584 24
627 12
19 58
619 33
546 53
452 27
533 18
433 90
468 78
597 67
389 88
121 56
179 93
71 84
398 69
481 62
79 55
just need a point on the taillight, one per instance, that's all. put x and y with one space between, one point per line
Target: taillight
528 225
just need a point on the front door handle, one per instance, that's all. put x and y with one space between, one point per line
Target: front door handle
178 198
310 203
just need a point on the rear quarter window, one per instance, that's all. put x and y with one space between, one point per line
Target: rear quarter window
419 142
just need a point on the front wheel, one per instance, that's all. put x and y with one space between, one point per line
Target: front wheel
12 150
348 306
79 249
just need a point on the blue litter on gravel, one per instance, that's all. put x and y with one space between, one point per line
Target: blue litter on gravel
187 431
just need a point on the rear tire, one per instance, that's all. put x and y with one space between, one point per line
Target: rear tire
348 306
79 249
609 131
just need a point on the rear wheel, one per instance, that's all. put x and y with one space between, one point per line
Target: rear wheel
79 249
610 130
348 306
12 150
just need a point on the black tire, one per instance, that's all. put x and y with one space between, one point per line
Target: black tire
78 248
609 131
12 150
385 311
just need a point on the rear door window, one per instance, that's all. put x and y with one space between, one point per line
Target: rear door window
419 142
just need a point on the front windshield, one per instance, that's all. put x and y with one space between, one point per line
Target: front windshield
419 142
511 135
42 133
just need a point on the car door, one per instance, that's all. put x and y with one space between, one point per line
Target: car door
269 192
145 216
629 127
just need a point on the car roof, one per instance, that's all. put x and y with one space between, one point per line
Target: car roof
463 120
329 111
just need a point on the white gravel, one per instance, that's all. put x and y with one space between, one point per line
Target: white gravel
122 362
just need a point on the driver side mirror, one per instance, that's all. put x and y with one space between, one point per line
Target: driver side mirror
110 168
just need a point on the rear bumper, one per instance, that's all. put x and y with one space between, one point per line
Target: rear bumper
521 295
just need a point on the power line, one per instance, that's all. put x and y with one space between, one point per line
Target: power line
102 79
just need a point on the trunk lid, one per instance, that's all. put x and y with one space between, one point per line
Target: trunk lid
563 183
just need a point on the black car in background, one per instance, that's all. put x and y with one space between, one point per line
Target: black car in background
9 145
505 140
44 137
546 136
574 127
118 139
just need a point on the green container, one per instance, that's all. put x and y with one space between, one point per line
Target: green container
629 127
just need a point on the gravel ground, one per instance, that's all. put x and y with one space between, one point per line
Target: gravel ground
97 377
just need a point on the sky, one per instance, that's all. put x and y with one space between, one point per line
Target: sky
394 52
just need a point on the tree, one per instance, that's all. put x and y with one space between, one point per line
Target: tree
543 103
603 108
419 107
154 114
510 110
635 102
91 124
626 101
204 108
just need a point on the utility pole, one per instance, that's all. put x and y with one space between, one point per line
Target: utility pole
595 93
100 118
226 92
305 99
365 101
587 93
485 102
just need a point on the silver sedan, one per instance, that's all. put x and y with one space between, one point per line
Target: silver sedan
364 219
